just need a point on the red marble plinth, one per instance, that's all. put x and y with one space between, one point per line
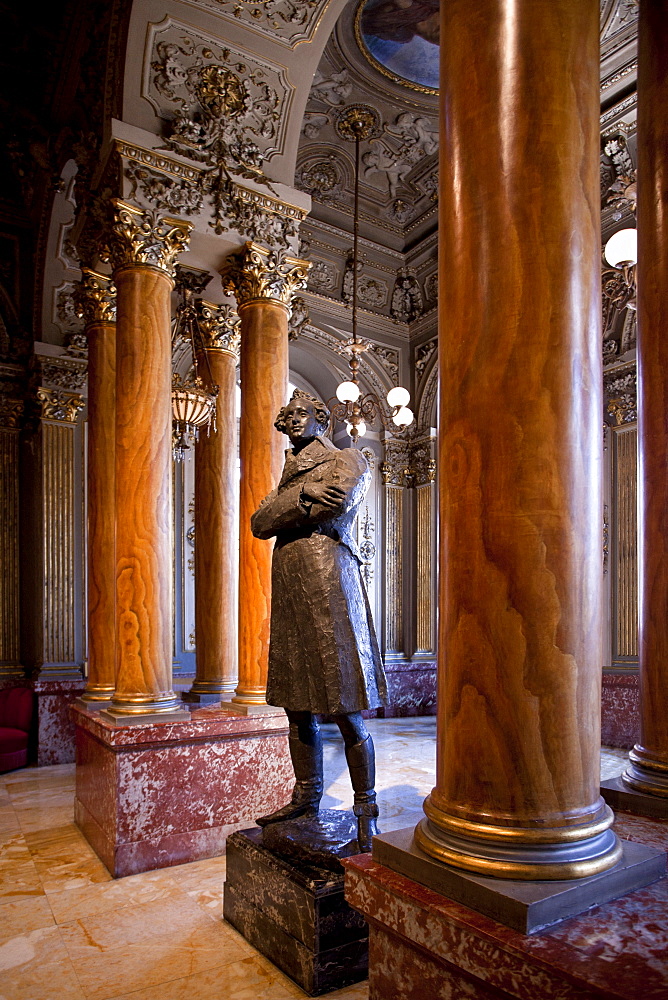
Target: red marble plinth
423 946
55 729
620 709
150 796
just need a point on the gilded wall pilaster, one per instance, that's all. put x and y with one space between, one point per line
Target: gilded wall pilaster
423 470
620 398
625 545
53 619
395 474
11 416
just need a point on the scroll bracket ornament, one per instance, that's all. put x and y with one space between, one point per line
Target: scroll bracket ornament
95 298
145 238
256 273
220 327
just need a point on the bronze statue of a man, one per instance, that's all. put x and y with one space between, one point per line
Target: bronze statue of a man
323 652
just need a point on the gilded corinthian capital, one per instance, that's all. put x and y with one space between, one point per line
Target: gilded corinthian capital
219 326
95 298
256 273
138 237
56 405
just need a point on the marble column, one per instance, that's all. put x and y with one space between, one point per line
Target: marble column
143 248
96 303
263 283
216 484
648 768
517 786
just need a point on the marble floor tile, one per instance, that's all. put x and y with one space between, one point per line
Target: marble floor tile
203 882
91 900
31 820
19 878
64 859
136 947
251 978
34 965
26 915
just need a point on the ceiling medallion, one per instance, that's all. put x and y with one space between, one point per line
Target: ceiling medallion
400 39
358 122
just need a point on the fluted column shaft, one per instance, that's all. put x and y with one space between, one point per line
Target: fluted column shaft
143 250
648 770
97 304
263 284
517 792
215 514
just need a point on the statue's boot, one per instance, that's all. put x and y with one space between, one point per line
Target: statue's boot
362 766
306 755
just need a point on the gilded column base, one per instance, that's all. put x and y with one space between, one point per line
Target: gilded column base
96 693
130 709
647 772
208 692
517 852
250 696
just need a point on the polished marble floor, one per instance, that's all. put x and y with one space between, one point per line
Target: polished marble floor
68 931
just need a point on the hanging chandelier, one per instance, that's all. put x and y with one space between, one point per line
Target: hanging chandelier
356 410
193 402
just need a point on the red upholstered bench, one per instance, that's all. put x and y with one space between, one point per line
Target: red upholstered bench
15 718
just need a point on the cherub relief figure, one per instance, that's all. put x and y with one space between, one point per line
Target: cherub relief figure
323 652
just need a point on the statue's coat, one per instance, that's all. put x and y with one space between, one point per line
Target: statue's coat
323 652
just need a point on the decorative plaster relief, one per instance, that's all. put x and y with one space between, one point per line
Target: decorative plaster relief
64 310
431 287
406 298
423 356
222 103
157 181
617 16
324 276
286 21
620 394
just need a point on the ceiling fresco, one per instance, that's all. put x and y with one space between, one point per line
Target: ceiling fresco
400 38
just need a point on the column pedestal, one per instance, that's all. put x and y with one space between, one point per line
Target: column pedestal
197 782
423 946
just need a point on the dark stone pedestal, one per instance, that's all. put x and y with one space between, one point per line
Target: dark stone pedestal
295 914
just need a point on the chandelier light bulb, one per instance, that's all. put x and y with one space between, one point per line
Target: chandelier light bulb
348 392
398 396
403 417
358 429
622 248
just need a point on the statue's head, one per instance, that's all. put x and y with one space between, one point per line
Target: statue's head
304 418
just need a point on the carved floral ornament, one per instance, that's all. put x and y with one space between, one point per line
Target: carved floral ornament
225 105
11 412
256 273
57 405
171 186
146 238
293 20
95 298
220 327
